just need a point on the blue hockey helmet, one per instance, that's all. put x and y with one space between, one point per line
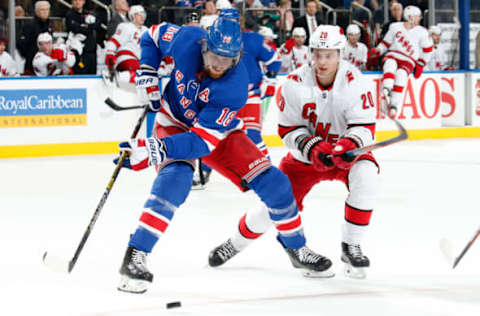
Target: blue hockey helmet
224 37
231 13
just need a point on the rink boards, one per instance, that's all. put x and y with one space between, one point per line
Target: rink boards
67 116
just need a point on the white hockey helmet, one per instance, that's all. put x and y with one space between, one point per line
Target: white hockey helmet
223 4
134 9
353 29
434 30
328 37
44 37
299 31
266 32
411 11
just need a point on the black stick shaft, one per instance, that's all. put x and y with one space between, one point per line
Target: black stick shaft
363 150
105 195
464 251
117 107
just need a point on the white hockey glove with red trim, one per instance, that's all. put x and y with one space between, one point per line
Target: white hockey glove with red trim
142 153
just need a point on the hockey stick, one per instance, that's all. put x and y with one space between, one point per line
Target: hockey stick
59 265
447 249
363 150
200 172
117 107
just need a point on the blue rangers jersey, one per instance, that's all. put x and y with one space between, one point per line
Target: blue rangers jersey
205 106
254 52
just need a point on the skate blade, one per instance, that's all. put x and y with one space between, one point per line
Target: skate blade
355 273
318 274
199 187
132 286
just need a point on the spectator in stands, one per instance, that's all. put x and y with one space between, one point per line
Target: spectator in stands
269 3
396 13
121 9
269 19
286 16
81 21
8 67
210 12
27 42
310 20
359 12
249 17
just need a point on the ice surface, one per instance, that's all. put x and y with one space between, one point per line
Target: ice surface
428 190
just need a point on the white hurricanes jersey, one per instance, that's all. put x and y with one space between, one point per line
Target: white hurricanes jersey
407 45
8 67
438 59
356 55
295 59
125 43
344 109
44 65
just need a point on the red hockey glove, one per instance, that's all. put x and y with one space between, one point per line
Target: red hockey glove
267 87
417 72
58 54
287 47
373 53
142 153
321 156
341 160
110 60
318 152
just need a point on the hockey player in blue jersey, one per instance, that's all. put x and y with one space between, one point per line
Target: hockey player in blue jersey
204 86
256 55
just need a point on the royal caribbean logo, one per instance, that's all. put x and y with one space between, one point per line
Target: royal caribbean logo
45 107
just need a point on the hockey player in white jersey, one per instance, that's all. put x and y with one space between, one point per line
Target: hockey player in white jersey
355 52
123 48
8 68
439 58
326 109
407 47
293 52
52 59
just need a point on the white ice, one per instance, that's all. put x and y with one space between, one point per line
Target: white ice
429 190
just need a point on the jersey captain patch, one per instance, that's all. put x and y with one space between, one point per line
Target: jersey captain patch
204 95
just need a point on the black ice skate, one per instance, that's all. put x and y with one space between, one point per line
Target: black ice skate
197 183
222 254
313 265
134 272
355 261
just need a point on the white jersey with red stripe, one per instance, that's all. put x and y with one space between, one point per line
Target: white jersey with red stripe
125 43
439 59
44 65
295 59
409 45
8 68
346 108
356 55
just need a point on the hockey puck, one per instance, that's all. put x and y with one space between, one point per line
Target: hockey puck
174 304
